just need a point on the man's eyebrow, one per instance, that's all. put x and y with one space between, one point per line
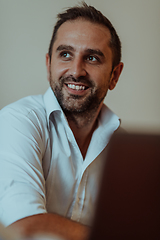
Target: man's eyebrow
65 47
94 51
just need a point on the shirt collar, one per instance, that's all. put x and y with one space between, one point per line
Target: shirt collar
107 117
51 103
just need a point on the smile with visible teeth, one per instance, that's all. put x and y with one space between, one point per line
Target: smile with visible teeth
76 87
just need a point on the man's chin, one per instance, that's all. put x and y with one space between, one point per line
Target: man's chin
76 108
74 103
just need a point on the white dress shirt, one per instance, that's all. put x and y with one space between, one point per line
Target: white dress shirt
41 167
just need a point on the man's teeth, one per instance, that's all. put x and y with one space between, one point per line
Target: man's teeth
76 87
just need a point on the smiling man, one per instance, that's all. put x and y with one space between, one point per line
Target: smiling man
52 147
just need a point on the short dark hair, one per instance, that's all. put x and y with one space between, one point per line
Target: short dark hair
93 15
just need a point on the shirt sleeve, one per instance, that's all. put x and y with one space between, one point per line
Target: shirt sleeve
22 183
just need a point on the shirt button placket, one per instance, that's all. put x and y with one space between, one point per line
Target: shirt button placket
80 200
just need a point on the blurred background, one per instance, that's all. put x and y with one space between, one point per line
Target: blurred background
25 31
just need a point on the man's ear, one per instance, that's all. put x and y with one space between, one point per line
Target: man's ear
115 76
48 66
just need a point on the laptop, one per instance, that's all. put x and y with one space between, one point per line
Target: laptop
128 205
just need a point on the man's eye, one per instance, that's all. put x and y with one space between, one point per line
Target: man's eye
65 55
92 59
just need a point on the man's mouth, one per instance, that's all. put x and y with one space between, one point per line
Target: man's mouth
76 87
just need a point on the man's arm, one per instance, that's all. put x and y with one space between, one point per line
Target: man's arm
49 223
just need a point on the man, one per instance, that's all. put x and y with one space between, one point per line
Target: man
52 146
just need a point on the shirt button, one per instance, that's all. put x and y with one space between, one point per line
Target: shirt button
69 139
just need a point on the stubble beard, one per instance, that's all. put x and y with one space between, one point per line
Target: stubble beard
78 108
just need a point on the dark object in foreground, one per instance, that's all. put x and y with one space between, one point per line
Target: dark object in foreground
129 200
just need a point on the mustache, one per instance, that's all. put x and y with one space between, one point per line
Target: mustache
82 79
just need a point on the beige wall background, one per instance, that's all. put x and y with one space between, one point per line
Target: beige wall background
25 31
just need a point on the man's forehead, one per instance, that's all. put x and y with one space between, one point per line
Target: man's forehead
83 30
84 22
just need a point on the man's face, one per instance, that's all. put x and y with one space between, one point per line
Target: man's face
80 70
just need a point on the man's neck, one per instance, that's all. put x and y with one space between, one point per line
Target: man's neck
82 126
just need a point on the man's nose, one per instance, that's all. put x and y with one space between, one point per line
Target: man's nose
78 68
